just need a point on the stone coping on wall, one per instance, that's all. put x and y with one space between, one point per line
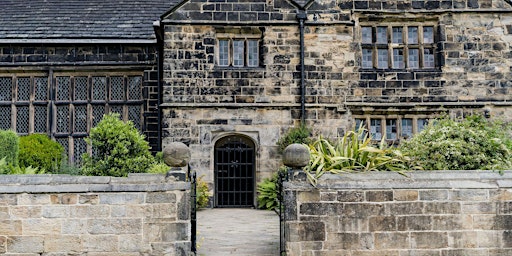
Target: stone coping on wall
415 179
60 183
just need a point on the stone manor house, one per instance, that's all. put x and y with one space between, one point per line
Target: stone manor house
229 77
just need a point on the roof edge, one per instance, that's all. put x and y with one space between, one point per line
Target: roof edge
76 41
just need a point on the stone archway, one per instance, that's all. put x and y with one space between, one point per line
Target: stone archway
235 172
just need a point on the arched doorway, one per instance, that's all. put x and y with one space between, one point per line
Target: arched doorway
234 172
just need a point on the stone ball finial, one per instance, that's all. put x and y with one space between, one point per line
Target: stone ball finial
296 155
176 154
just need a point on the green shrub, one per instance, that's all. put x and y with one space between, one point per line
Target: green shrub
300 134
9 148
158 167
39 151
268 191
6 168
118 149
470 144
202 194
355 152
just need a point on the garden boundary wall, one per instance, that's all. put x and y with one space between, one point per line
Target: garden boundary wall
57 215
440 213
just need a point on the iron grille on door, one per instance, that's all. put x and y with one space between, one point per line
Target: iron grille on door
234 172
67 106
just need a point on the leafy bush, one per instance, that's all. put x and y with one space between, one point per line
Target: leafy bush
268 190
9 148
118 149
202 194
300 134
6 168
471 144
353 153
38 150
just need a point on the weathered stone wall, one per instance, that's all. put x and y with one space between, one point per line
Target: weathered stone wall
74 215
427 213
202 101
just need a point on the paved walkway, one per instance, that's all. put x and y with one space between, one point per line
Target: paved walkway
242 232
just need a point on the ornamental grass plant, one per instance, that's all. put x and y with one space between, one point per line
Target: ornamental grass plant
354 152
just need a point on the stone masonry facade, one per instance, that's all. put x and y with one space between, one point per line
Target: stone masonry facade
58 215
374 214
204 101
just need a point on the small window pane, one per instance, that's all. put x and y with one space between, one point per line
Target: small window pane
361 123
412 35
422 124
382 58
376 129
414 58
406 128
398 58
397 35
367 58
428 35
382 35
252 53
428 58
238 53
366 33
391 129
223 52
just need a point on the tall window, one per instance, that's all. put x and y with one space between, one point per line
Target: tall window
397 46
238 52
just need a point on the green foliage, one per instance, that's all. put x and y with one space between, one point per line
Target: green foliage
9 148
38 150
118 149
6 168
202 193
300 134
268 190
355 152
158 167
471 144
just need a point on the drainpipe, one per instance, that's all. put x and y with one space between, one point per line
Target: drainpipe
159 32
302 16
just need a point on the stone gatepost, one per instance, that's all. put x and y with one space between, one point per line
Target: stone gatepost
177 155
296 156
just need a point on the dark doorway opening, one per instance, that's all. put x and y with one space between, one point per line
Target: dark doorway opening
234 172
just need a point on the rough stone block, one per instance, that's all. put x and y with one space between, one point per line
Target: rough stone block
55 211
309 196
319 209
469 195
429 240
379 196
64 199
478 207
463 239
25 244
89 199
404 208
161 198
121 198
23 212
452 222
33 199
8 199
74 226
90 211
415 222
10 227
382 223
100 243
442 208
62 244
133 243
172 232
405 195
433 195
350 196
391 240
41 226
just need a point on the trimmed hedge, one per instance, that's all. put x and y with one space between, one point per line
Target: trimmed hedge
39 151
9 148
